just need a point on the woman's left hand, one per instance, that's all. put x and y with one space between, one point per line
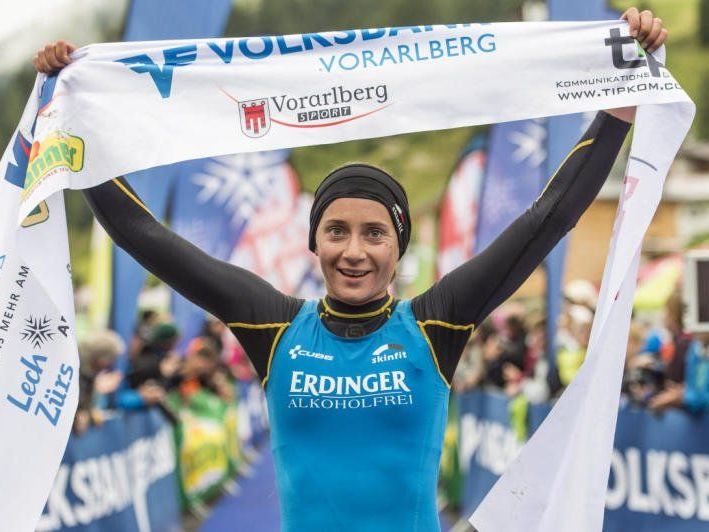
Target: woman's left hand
646 28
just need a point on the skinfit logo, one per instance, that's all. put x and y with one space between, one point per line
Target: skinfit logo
387 353
618 43
298 351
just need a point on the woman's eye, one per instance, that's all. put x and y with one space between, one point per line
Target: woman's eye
376 233
336 231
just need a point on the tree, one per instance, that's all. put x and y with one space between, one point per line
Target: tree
258 17
704 22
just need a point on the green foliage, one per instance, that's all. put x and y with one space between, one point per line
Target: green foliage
701 120
698 240
259 17
14 92
704 23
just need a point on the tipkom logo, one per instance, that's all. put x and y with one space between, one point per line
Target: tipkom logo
617 42
298 351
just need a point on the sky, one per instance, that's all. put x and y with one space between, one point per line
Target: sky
26 25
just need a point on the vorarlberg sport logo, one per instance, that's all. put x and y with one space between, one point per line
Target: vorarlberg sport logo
298 351
255 117
324 108
616 41
387 353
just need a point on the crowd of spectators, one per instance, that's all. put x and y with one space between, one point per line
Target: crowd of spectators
151 368
665 366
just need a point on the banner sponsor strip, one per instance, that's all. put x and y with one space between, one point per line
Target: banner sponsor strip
658 474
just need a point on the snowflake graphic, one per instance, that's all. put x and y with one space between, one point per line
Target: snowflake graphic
506 204
530 143
239 183
37 331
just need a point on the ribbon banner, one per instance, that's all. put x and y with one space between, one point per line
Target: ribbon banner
120 108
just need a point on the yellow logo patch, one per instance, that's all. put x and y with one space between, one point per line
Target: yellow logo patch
59 150
38 215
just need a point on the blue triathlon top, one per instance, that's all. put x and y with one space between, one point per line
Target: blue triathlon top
357 426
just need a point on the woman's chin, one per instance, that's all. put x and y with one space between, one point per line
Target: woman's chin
352 299
354 296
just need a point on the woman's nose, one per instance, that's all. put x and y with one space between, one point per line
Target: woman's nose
354 249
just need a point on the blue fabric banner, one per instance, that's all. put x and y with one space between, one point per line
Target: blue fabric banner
176 19
147 20
117 477
487 444
563 132
129 276
213 202
515 164
659 479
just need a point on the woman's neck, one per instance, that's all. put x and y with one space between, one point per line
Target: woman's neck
340 307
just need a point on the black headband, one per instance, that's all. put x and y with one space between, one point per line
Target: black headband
368 182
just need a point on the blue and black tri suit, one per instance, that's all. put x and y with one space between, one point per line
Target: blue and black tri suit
357 396
357 425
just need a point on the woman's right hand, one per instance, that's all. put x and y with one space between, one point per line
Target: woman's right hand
53 57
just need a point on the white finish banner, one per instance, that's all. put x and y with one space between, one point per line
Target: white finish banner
124 107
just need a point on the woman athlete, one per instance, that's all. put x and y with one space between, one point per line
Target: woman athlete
357 383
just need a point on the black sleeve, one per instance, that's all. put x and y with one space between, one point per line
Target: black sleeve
253 309
463 298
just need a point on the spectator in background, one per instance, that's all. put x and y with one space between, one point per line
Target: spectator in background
97 378
514 340
143 329
204 369
154 370
215 330
236 365
239 364
681 352
572 351
222 383
535 386
581 292
693 394
643 377
471 367
504 348
536 345
580 299
674 352
492 352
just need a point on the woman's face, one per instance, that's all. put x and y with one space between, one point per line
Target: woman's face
358 250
